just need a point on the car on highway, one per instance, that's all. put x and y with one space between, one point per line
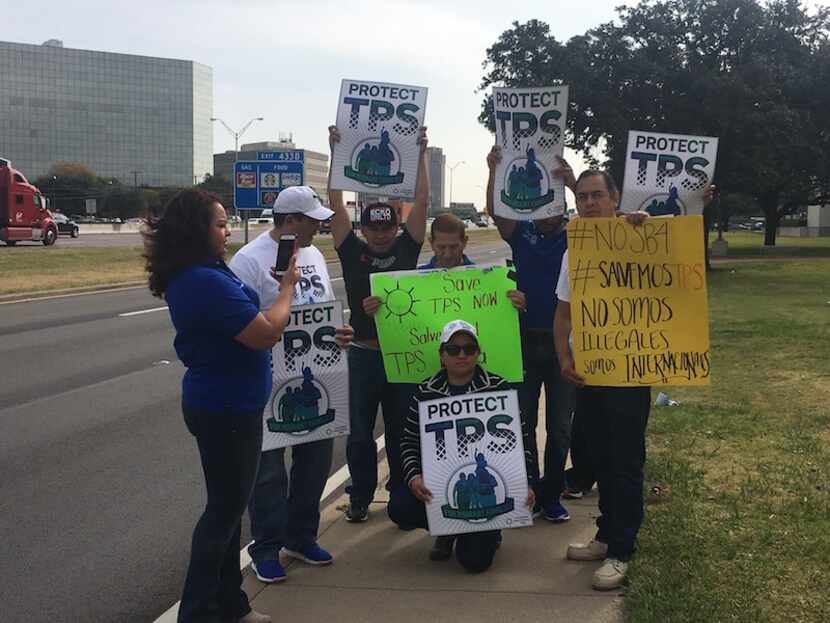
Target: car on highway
66 226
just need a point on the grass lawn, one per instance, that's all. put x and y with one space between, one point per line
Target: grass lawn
744 533
39 268
749 244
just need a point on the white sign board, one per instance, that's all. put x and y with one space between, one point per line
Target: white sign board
472 457
530 129
667 174
91 206
310 398
378 149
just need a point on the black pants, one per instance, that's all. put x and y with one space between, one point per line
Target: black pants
615 420
581 474
541 367
368 388
229 446
474 551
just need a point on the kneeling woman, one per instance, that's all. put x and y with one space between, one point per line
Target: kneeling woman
459 374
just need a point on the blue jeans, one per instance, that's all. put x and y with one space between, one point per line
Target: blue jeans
369 388
615 420
229 447
541 367
286 512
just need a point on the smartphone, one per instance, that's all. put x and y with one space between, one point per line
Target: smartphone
287 245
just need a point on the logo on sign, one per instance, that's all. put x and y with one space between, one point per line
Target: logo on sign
526 184
375 162
477 493
245 179
664 204
300 406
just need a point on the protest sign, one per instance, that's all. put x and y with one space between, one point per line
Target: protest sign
530 129
310 399
639 307
378 150
472 457
417 305
667 174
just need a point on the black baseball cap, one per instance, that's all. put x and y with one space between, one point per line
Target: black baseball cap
379 214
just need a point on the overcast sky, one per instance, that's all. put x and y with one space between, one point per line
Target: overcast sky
284 60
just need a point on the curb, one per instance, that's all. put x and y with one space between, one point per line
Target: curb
18 297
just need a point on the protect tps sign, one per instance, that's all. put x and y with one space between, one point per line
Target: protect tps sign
667 174
530 129
378 151
473 463
310 398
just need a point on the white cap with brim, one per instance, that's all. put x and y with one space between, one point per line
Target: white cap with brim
301 200
457 326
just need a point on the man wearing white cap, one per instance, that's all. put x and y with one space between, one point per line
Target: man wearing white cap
459 374
287 517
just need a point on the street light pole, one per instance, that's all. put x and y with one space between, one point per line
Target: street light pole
452 169
236 136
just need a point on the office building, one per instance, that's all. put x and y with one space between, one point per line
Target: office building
139 119
315 170
437 163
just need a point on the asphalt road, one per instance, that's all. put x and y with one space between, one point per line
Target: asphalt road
124 240
100 482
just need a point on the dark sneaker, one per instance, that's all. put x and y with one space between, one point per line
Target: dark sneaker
555 512
268 571
312 554
442 548
357 512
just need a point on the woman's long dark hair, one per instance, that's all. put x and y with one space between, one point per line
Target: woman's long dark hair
179 238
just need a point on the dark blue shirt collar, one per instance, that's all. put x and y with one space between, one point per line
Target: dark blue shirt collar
431 264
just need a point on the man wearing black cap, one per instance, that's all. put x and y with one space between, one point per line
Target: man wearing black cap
384 249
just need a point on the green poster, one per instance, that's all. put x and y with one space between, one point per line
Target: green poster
417 305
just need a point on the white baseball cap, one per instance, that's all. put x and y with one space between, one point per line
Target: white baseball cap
457 326
301 200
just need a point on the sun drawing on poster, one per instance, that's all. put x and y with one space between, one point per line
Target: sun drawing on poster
400 302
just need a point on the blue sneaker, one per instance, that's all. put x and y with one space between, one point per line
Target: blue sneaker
555 512
268 571
312 554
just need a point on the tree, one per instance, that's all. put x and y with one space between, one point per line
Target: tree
69 184
755 75
220 185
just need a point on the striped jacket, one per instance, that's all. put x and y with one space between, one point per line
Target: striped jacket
437 386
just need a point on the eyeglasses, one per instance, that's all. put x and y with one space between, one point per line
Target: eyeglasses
453 350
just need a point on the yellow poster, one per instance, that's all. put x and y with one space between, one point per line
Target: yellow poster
639 306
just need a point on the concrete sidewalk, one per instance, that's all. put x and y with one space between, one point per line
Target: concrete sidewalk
383 574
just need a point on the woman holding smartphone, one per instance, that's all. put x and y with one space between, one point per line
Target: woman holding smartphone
225 343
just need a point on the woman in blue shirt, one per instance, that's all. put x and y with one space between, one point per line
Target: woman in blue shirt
224 341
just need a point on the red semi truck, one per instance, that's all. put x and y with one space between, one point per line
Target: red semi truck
23 212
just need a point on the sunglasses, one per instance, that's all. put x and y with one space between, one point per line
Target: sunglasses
453 350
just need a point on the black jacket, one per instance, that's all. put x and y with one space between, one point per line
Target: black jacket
435 387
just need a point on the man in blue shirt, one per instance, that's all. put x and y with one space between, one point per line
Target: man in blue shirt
448 239
538 247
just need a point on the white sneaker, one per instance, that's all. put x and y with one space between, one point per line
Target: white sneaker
593 550
610 575
255 617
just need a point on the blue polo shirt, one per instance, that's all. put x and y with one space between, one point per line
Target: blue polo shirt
538 260
431 264
209 305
